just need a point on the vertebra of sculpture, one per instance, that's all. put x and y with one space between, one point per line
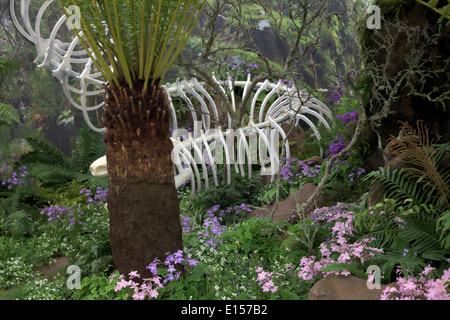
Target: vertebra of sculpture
82 85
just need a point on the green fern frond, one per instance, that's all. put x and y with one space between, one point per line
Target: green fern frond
92 182
414 147
9 113
51 173
44 152
398 186
434 5
6 66
443 227
17 223
411 264
419 229
377 222
88 148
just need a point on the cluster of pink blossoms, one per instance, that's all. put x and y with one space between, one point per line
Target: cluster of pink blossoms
338 246
149 287
423 288
265 280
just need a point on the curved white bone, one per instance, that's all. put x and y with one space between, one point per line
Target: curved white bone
62 59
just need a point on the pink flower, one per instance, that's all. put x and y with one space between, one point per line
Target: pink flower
446 275
358 250
121 284
324 250
138 295
409 285
134 274
344 257
427 270
345 273
153 293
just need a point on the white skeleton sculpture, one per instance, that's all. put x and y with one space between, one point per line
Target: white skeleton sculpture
82 84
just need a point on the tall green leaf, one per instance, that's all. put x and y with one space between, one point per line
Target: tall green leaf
135 40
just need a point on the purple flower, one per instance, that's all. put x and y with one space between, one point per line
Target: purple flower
336 146
58 214
192 262
99 197
152 267
348 117
17 178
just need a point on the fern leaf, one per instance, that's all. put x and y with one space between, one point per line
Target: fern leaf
88 148
9 113
410 263
91 181
51 173
6 66
443 226
44 152
419 229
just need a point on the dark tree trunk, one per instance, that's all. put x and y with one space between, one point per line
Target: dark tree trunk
143 204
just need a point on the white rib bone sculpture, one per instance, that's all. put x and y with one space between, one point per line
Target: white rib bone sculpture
63 60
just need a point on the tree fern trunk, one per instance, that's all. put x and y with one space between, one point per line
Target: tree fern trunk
142 200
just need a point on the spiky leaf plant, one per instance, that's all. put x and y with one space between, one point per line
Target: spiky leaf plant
416 149
133 43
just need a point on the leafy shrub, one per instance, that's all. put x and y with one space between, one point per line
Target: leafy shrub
100 287
14 271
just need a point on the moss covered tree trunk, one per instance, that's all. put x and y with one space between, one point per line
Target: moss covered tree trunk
143 204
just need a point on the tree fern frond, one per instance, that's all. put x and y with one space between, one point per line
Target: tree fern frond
143 40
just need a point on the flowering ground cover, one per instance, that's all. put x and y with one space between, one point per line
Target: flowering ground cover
226 254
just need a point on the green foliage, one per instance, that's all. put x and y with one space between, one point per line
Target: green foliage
87 146
6 66
101 287
8 114
45 289
147 36
410 236
255 235
14 271
378 222
443 225
193 285
240 190
49 165
17 224
400 186
444 11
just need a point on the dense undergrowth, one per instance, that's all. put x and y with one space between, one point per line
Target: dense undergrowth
51 207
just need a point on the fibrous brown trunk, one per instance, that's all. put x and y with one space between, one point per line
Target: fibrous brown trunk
143 204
